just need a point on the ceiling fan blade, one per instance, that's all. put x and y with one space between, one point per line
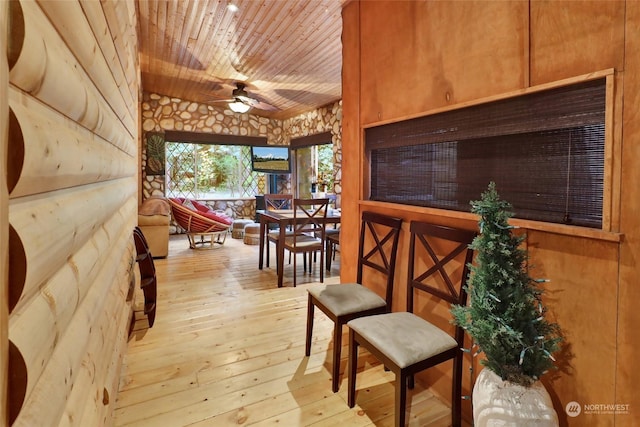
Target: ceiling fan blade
219 102
256 103
247 99
263 106
241 95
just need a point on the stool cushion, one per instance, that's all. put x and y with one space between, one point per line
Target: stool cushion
252 234
237 228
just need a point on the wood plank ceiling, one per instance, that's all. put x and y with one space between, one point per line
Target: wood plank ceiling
288 52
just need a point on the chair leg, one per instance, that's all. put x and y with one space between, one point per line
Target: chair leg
337 348
310 307
351 368
328 250
295 258
267 251
401 398
456 398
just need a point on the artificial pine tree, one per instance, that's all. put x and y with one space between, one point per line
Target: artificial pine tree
506 317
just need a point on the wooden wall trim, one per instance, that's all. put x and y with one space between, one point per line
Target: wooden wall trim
567 230
351 140
213 138
309 140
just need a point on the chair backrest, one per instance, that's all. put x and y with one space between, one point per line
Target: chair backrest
436 250
277 201
383 231
309 217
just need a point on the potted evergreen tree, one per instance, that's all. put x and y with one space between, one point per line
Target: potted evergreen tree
506 319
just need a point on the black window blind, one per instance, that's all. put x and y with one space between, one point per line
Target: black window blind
544 150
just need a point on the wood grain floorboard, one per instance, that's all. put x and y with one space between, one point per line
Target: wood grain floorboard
227 349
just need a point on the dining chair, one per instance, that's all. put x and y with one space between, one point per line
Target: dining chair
407 343
274 202
309 221
377 250
332 241
277 201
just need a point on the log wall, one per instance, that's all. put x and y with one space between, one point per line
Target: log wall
403 59
70 207
4 221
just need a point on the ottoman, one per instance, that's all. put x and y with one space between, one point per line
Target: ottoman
237 228
252 234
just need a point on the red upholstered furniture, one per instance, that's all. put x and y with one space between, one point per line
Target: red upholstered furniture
202 226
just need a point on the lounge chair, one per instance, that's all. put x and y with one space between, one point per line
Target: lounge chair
203 226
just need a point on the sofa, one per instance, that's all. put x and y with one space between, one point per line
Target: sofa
154 216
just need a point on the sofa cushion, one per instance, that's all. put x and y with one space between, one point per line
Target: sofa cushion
155 206
153 220
219 217
201 207
188 203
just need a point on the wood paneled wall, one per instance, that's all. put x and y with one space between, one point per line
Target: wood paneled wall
72 182
403 59
628 333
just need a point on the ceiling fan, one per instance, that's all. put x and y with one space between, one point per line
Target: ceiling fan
241 101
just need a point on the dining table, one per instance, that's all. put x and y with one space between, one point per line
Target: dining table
284 218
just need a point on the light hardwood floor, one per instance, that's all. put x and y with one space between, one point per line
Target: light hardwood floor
227 349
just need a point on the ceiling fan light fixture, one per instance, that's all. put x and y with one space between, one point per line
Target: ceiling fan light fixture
232 7
238 106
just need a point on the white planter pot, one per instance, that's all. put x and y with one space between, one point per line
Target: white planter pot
498 403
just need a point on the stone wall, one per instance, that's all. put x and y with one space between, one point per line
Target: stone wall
236 208
160 113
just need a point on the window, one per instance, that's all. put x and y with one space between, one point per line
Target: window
313 163
545 151
207 171
209 166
